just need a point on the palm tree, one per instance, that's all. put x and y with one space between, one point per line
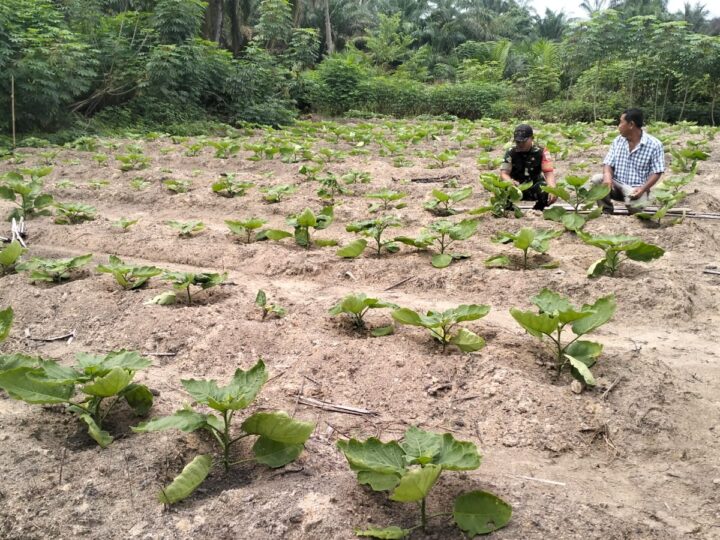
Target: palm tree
633 8
552 26
592 6
695 16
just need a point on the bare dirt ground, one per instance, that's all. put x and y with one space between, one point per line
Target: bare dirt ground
639 460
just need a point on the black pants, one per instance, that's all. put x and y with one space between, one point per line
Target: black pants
536 194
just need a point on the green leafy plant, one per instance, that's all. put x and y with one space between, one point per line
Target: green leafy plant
100 159
331 188
503 196
128 276
32 202
573 191
229 186
225 149
275 194
54 270
411 467
525 239
133 161
268 308
370 228
139 184
186 228
124 223
442 202
96 377
443 233
442 325
182 281
356 307
311 170
386 197
685 160
73 213
355 177
177 185
302 223
442 158
667 194
9 257
245 228
280 438
556 312
615 246
6 319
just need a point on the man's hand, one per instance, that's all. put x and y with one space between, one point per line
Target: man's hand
635 195
551 198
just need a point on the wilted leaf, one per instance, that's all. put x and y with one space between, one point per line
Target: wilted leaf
415 484
479 512
187 481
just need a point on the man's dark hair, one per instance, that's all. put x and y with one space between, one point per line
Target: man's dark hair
635 116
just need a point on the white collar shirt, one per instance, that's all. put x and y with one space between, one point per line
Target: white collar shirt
634 168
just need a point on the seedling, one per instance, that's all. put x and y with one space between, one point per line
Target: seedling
276 193
555 314
302 223
442 159
444 233
85 144
281 439
442 324
573 191
139 184
685 160
330 188
74 213
6 319
401 161
225 149
124 223
355 177
442 202
267 308
614 246
370 228
667 194
52 270
31 201
229 186
310 171
411 467
9 257
356 307
100 159
182 281
387 197
133 161
96 377
186 228
127 276
504 195
525 239
177 185
246 228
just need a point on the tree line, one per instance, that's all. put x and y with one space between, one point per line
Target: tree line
172 62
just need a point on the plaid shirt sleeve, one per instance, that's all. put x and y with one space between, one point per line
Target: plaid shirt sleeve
610 158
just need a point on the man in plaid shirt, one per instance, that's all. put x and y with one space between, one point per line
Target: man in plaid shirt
633 165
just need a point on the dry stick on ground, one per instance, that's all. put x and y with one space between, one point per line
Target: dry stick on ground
610 388
391 287
300 393
541 480
62 463
430 180
715 272
68 336
334 408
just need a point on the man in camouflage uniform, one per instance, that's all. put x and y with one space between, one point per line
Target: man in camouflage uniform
527 162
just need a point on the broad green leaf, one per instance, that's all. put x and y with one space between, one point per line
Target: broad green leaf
602 311
30 386
580 371
597 192
307 218
468 312
6 320
59 374
326 242
573 222
457 455
378 481
17 360
415 484
551 302
353 249
245 385
497 261
586 352
102 437
187 481
109 385
261 298
555 213
274 453
464 230
524 239
202 390
279 427
479 512
407 316
374 455
440 195
185 420
139 398
276 234
420 446
130 360
645 252
382 331
467 341
10 254
163 299
597 268
388 533
535 324
441 260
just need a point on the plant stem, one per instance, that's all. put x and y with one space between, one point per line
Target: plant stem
188 295
423 515
226 441
525 252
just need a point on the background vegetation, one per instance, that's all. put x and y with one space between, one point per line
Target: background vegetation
101 64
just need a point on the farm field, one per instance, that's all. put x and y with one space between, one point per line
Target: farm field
634 457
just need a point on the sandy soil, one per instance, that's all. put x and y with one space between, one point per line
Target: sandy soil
637 461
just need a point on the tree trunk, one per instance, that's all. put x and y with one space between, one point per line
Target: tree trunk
328 29
682 109
212 29
712 109
297 12
236 39
665 98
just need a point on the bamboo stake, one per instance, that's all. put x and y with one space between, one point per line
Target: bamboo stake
12 106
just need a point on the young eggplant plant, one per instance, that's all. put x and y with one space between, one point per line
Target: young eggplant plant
386 197
356 307
409 468
246 228
574 192
182 281
32 202
331 188
442 202
275 194
444 233
124 223
268 308
667 194
127 276
556 312
53 270
302 223
370 228
97 377
614 247
442 325
525 239
186 228
281 439
503 196
9 257
6 319
73 213
229 186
